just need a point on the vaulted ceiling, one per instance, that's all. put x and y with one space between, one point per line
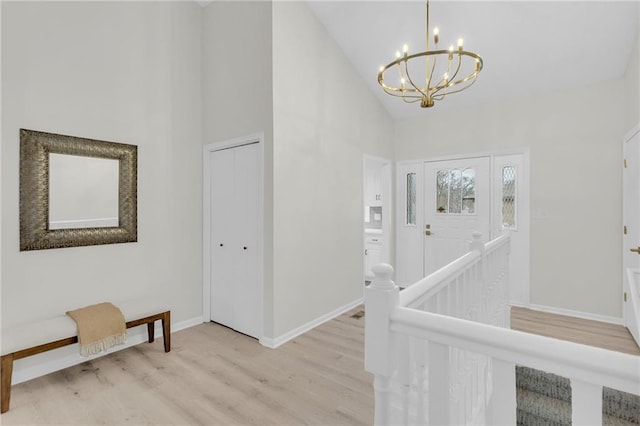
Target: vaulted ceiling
527 47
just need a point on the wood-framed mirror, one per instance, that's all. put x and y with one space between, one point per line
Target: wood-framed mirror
76 191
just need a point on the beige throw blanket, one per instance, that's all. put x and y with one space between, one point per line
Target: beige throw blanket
100 327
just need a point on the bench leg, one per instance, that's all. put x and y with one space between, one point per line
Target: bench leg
166 330
6 370
151 331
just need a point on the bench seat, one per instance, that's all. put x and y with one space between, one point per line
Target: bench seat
41 336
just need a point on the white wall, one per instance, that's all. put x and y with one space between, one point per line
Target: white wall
325 119
632 82
117 71
574 139
238 97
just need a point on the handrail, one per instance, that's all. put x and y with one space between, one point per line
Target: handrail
436 280
497 242
589 364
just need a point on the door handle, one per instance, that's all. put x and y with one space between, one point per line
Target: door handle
636 250
427 232
366 252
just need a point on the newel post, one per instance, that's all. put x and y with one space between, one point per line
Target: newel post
381 297
476 242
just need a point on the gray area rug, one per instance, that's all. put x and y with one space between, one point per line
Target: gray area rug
544 399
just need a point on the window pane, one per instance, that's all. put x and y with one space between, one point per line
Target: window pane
442 191
411 199
455 192
509 196
468 191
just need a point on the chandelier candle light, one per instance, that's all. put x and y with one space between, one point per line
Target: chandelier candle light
447 71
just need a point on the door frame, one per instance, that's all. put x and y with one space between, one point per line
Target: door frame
418 165
387 218
629 318
256 138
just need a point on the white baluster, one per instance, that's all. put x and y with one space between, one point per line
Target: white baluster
381 297
420 352
477 245
586 403
502 403
403 362
439 380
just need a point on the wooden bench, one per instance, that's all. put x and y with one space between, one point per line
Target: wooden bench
30 339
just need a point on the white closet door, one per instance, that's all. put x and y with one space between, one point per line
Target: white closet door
235 298
246 308
222 236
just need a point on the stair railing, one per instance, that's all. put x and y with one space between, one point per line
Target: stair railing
441 353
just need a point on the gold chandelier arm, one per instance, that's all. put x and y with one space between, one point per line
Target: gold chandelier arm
413 100
418 88
452 82
467 78
472 82
433 68
400 69
399 94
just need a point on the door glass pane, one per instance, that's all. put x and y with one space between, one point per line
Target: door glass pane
509 196
411 199
442 192
468 191
455 192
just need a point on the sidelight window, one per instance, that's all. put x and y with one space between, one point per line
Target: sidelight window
411 199
509 196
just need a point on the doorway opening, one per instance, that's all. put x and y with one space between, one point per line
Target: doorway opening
377 213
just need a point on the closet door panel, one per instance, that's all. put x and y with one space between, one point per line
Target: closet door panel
246 292
223 238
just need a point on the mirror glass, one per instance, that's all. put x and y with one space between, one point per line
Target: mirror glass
83 192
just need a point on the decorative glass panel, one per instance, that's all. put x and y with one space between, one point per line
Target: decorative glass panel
442 191
468 191
411 198
509 196
456 191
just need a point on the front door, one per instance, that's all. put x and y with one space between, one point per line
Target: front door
457 203
631 229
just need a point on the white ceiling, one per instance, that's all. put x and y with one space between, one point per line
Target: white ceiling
527 46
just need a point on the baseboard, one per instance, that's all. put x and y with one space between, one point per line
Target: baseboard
290 335
57 359
577 314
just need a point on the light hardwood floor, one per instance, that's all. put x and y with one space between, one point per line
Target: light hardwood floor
214 376
578 330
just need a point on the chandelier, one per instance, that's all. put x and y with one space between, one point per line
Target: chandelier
446 71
